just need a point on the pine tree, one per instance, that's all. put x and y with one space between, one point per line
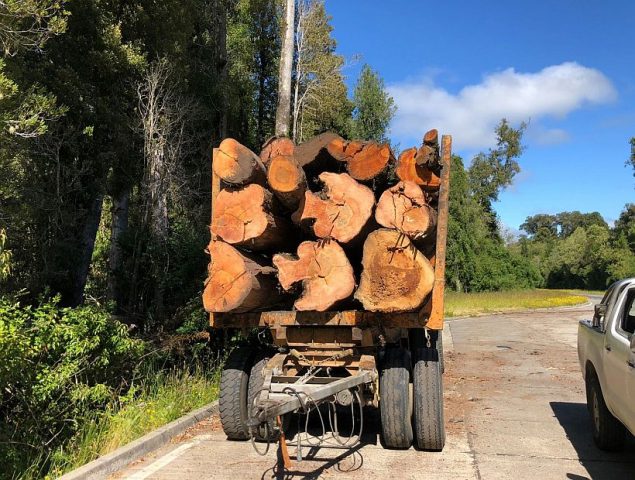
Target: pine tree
374 107
320 96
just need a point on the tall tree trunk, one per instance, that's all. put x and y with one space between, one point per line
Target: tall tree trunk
86 247
220 13
119 226
283 112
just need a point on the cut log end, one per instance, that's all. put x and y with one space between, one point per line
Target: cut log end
403 207
365 160
408 170
274 147
287 181
324 270
244 217
344 210
236 164
396 276
238 282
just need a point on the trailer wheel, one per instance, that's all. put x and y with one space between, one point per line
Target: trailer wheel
418 340
439 346
234 385
428 400
608 431
256 381
394 399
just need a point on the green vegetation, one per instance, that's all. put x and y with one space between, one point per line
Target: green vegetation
164 397
374 108
108 114
458 304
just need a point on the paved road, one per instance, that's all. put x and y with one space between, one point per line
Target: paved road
515 409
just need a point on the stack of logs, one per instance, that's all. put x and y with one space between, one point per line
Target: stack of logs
300 226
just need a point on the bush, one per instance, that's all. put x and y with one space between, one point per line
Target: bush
57 365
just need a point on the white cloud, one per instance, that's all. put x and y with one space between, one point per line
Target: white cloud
472 113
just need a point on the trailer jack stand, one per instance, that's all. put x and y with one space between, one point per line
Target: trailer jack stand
284 451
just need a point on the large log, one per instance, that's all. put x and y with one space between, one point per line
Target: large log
238 281
404 208
341 210
236 164
409 170
312 150
396 276
245 217
324 270
365 161
428 154
287 181
275 147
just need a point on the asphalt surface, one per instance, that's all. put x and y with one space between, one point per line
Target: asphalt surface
514 409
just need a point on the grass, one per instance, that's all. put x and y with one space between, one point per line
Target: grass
159 400
459 304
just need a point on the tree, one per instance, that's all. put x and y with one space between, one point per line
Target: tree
28 24
320 96
493 171
541 226
283 112
625 226
569 222
374 108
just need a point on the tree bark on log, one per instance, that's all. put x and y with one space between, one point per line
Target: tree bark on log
404 208
236 164
341 210
324 270
275 147
244 217
408 170
428 154
311 150
396 276
365 161
239 282
287 181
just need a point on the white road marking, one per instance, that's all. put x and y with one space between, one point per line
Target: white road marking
169 457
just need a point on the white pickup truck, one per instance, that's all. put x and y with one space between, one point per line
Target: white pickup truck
606 349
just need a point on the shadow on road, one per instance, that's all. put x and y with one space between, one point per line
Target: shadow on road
574 419
317 459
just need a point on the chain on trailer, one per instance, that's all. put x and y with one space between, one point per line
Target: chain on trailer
308 406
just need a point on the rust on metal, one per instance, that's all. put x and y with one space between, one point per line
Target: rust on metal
435 319
346 318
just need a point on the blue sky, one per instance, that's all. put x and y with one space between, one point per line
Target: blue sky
568 67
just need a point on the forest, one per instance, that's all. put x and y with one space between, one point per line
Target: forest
109 110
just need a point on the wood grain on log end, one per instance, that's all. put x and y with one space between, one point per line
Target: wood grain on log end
396 276
325 273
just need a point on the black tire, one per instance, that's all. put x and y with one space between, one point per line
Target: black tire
608 432
427 382
394 399
418 340
234 385
256 381
439 345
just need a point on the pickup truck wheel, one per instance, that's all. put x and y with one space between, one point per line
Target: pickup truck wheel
608 431
234 384
395 404
428 419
